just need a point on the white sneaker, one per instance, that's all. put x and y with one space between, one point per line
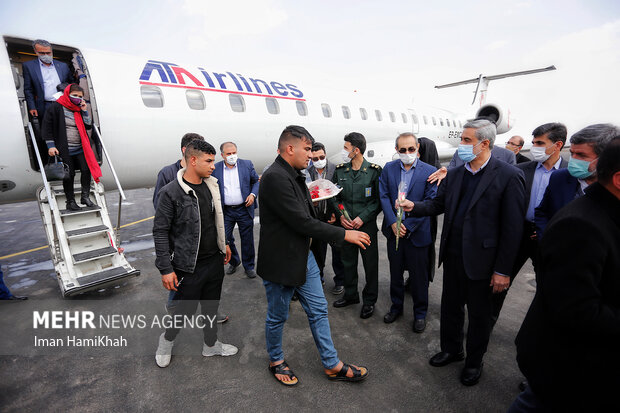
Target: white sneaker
164 351
219 349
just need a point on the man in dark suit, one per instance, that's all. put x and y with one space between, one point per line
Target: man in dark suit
288 224
239 187
484 205
41 76
515 144
568 344
547 142
414 233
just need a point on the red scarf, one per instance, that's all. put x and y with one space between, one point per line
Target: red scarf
91 161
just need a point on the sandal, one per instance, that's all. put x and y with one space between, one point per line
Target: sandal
281 369
342 374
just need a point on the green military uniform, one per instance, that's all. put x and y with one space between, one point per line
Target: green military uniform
360 197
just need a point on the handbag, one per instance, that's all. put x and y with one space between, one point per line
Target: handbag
57 170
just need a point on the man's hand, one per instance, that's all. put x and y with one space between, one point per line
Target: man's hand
438 175
52 152
332 219
346 223
403 230
406 204
228 255
357 223
249 200
170 281
359 238
34 113
500 283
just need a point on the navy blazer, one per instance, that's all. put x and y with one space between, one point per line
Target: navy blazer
248 180
419 189
562 189
33 83
529 170
493 222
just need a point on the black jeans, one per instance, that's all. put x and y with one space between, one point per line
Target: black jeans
67 184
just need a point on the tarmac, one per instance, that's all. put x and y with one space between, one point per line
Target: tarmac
400 380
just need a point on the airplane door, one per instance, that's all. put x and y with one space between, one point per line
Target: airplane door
415 122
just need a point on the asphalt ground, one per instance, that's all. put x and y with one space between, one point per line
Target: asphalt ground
400 380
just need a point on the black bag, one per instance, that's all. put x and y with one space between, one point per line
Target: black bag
57 170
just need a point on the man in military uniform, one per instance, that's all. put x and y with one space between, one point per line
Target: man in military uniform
359 180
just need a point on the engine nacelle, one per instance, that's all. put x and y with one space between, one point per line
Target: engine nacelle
502 118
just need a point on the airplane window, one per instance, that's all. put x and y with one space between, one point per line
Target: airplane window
195 99
272 106
414 118
327 111
454 123
152 96
404 117
425 119
447 122
441 121
346 112
237 104
460 125
434 121
302 109
363 114
392 117
378 115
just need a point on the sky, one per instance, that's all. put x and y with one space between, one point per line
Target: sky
391 49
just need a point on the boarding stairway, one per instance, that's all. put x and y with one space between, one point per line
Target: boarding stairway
84 244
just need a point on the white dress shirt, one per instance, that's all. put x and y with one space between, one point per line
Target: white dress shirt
50 80
232 186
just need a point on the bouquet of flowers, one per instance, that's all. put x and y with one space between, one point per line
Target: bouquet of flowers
322 189
402 193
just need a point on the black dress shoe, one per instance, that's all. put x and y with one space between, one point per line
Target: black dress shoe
419 325
86 201
342 302
443 358
250 273
73 206
231 269
471 375
391 317
367 311
17 298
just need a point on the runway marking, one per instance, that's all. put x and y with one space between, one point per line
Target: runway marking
47 246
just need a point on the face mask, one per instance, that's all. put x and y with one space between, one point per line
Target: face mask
538 154
466 152
346 156
579 168
231 159
320 164
408 158
75 100
46 58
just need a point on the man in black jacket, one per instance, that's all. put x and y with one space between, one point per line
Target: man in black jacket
568 344
288 224
190 248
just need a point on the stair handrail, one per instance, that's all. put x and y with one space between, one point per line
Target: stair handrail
50 199
107 155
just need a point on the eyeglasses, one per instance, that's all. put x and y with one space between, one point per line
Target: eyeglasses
513 144
410 149
320 157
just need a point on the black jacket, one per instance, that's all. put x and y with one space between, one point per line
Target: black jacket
493 222
166 175
569 344
287 222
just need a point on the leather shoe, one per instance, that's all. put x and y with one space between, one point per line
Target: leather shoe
419 325
86 201
367 311
250 273
73 206
231 269
391 317
17 298
337 290
344 302
443 358
471 375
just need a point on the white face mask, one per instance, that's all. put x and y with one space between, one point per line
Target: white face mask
539 154
346 156
46 58
320 164
231 159
408 158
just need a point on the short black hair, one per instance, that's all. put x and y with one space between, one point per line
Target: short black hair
609 161
294 132
318 146
227 143
75 88
188 137
356 140
556 132
196 147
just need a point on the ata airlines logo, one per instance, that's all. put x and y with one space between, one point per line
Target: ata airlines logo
172 75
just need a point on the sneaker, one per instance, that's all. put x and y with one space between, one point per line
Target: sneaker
219 349
250 273
222 318
164 351
338 289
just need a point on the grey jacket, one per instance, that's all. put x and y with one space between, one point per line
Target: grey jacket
176 228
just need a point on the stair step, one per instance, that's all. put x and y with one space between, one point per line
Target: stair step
94 254
101 279
84 210
62 191
89 230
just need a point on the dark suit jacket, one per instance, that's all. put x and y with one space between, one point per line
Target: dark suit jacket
562 189
33 83
529 170
418 190
502 154
522 158
248 180
493 222
568 345
287 222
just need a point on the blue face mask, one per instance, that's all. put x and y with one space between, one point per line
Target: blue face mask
466 152
579 168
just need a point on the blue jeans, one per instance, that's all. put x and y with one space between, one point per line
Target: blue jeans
5 294
527 402
314 304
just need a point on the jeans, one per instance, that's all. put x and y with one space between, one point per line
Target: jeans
313 301
527 402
